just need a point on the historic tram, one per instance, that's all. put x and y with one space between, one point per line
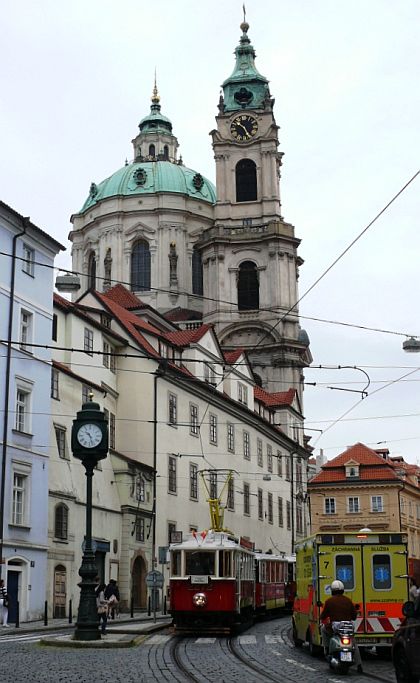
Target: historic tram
218 582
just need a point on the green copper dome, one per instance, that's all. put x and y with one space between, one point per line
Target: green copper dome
245 88
155 122
150 177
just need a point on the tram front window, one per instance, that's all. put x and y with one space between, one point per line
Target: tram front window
176 563
199 563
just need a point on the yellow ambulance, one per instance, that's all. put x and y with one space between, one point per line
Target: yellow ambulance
374 570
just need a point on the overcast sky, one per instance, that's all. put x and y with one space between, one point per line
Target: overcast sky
76 79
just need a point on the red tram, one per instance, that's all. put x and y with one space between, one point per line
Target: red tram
218 582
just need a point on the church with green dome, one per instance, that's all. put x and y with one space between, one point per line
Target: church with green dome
197 252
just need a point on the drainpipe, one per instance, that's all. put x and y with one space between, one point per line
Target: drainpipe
25 222
160 371
292 503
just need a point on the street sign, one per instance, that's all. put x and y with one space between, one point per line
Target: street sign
154 579
163 552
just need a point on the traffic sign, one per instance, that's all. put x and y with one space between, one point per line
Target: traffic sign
155 579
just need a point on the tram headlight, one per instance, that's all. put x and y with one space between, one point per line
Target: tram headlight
200 599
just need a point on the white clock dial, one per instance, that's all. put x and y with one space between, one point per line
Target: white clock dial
89 435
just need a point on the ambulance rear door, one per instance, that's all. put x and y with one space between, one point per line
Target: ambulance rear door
342 562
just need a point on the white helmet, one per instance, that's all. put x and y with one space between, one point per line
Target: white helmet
337 586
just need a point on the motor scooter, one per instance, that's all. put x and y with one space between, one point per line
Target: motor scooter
341 651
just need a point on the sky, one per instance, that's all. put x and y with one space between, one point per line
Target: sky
76 78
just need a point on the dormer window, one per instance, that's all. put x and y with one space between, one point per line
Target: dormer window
352 471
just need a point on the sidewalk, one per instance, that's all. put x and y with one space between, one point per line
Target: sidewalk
123 631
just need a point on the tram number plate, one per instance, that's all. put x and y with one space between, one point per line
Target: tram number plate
345 656
199 579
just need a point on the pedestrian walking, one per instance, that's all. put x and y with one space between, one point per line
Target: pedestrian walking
112 594
4 604
414 590
102 606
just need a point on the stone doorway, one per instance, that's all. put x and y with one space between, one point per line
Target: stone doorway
138 578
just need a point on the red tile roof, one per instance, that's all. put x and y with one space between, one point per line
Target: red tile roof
279 398
232 356
360 453
187 337
122 296
181 314
372 467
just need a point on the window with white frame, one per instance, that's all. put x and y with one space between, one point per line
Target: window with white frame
259 453
21 476
279 464
260 503
26 330
88 341
230 503
28 262
329 506
353 504
210 374
213 484
247 507
288 459
85 393
60 437
22 412
194 427
54 384
242 393
108 356
352 471
299 519
140 489
269 458
299 471
270 508
172 409
140 529
230 437
247 446
61 522
288 514
172 474
377 504
193 481
280 510
213 429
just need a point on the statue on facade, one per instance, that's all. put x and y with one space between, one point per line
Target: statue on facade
173 260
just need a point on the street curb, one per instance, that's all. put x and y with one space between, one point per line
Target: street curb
129 641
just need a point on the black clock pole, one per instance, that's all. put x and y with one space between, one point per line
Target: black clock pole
89 451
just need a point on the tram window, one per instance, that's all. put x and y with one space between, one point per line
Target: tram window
381 572
199 563
344 570
176 563
225 563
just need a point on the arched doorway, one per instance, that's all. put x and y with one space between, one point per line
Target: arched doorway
138 582
60 593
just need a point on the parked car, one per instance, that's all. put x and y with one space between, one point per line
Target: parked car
406 645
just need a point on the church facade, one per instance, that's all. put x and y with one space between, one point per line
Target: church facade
220 254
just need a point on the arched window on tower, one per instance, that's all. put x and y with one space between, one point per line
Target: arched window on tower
152 151
248 287
166 152
140 266
92 271
246 180
61 522
197 272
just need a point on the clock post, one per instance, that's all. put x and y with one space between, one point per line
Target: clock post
89 443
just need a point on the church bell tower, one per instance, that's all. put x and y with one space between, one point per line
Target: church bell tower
249 256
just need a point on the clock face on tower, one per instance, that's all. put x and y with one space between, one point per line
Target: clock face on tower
244 127
89 435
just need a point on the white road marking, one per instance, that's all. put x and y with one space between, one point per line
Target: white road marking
205 641
301 666
15 639
247 640
272 639
157 640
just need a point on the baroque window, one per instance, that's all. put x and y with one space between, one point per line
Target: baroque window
248 287
140 266
246 180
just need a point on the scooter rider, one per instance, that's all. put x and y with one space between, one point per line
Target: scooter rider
338 608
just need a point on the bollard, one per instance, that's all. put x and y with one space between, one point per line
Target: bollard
17 615
46 613
149 610
132 607
164 605
70 612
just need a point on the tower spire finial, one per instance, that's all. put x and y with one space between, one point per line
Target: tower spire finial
244 26
155 95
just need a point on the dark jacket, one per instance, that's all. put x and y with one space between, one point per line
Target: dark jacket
339 608
112 589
